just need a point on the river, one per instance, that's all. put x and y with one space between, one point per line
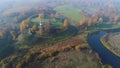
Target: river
107 57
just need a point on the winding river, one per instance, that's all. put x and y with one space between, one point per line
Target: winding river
106 56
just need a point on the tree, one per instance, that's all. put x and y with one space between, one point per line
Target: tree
47 27
13 35
24 39
81 22
24 25
94 18
77 47
28 57
4 65
1 34
41 16
65 24
19 65
27 39
116 19
34 28
100 20
111 20
89 22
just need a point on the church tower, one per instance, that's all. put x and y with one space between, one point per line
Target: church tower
41 28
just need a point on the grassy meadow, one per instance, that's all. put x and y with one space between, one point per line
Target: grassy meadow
70 12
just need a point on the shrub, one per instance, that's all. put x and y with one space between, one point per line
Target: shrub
3 65
53 59
84 46
66 48
19 65
106 66
27 58
43 55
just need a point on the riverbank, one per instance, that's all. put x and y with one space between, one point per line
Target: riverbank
107 45
106 56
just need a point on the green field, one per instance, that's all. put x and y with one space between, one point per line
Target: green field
106 25
71 12
103 26
37 20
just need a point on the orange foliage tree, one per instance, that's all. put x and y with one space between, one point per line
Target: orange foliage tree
65 24
24 25
81 22
89 22
34 28
1 34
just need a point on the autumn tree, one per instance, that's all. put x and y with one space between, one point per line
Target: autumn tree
19 65
24 25
4 65
84 21
34 28
89 22
27 57
1 34
100 20
65 24
81 22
